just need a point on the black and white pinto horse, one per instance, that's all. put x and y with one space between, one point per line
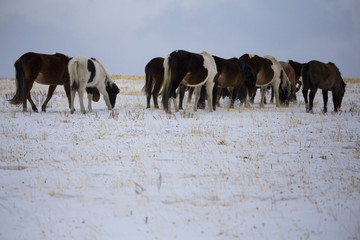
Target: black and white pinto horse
90 73
269 72
189 69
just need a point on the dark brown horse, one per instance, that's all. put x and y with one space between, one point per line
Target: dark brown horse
189 69
154 78
41 68
298 71
233 74
325 76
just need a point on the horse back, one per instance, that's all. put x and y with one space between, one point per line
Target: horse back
230 72
53 68
321 75
188 67
156 68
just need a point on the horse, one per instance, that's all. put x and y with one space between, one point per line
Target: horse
190 69
89 73
298 71
269 72
233 74
325 76
290 72
41 68
154 78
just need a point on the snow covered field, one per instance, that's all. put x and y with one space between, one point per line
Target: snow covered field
131 173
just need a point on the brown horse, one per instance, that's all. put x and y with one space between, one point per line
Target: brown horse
154 78
233 74
325 76
290 72
41 68
269 72
190 69
298 71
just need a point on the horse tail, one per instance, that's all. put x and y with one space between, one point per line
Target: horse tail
148 81
286 85
167 82
73 73
305 75
20 94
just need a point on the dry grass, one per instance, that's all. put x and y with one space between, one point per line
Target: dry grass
127 77
352 80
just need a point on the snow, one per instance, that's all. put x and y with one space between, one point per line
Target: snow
136 173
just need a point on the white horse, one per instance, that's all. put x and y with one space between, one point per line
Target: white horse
90 73
279 80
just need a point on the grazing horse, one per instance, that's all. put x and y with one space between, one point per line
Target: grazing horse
233 74
90 73
154 78
189 69
41 68
269 72
290 72
325 76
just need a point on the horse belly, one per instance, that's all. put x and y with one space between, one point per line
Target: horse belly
41 79
262 79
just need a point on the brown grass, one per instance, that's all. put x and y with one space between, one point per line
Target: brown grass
352 80
127 77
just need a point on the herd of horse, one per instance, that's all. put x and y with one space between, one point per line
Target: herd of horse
209 76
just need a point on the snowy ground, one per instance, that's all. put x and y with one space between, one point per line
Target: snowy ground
131 173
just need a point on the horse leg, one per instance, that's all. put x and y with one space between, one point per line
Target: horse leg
234 96
201 102
263 92
305 94
33 106
197 97
148 98
272 95
191 92
182 90
72 98
155 94
276 93
248 92
311 99
67 91
90 96
81 100
336 102
325 98
209 91
49 95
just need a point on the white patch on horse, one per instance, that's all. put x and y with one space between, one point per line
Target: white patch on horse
251 55
79 76
210 65
276 81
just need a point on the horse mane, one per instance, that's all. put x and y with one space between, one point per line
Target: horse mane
297 66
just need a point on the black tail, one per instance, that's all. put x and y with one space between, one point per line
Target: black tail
305 76
20 94
148 82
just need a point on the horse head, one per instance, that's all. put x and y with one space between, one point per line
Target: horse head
112 91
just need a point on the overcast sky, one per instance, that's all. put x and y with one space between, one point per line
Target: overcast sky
126 34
